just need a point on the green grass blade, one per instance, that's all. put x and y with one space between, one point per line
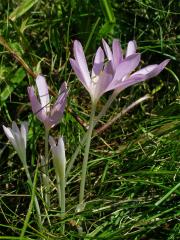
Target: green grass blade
22 9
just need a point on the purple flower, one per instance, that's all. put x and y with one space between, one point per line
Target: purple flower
49 116
115 57
102 77
114 74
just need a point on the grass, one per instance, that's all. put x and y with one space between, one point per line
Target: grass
132 189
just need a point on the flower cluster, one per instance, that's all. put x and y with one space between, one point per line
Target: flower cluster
111 70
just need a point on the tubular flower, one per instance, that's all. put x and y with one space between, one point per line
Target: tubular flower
18 138
102 77
49 116
59 159
115 57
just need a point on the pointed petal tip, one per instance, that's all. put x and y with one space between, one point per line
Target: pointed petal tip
165 62
131 48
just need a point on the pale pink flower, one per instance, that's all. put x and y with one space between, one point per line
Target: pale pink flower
118 73
102 78
18 138
50 116
115 57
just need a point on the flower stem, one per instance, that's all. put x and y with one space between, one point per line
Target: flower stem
61 184
106 106
85 161
63 199
74 156
35 198
83 140
62 189
46 168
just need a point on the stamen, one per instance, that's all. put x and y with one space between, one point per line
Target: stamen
95 79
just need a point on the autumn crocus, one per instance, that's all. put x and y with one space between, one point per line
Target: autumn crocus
18 138
59 161
42 109
115 74
50 116
116 58
102 78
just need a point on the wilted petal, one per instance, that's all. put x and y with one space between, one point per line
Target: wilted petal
131 48
98 62
81 61
117 53
36 106
43 92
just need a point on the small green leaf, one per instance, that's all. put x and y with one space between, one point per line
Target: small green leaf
18 77
22 9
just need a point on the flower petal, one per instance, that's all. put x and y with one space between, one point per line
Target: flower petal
21 150
43 92
36 106
81 61
9 135
117 53
59 158
107 50
62 150
24 132
100 86
15 137
15 128
59 106
143 74
78 73
131 48
152 70
126 67
98 62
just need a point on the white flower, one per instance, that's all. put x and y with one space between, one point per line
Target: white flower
18 138
59 158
